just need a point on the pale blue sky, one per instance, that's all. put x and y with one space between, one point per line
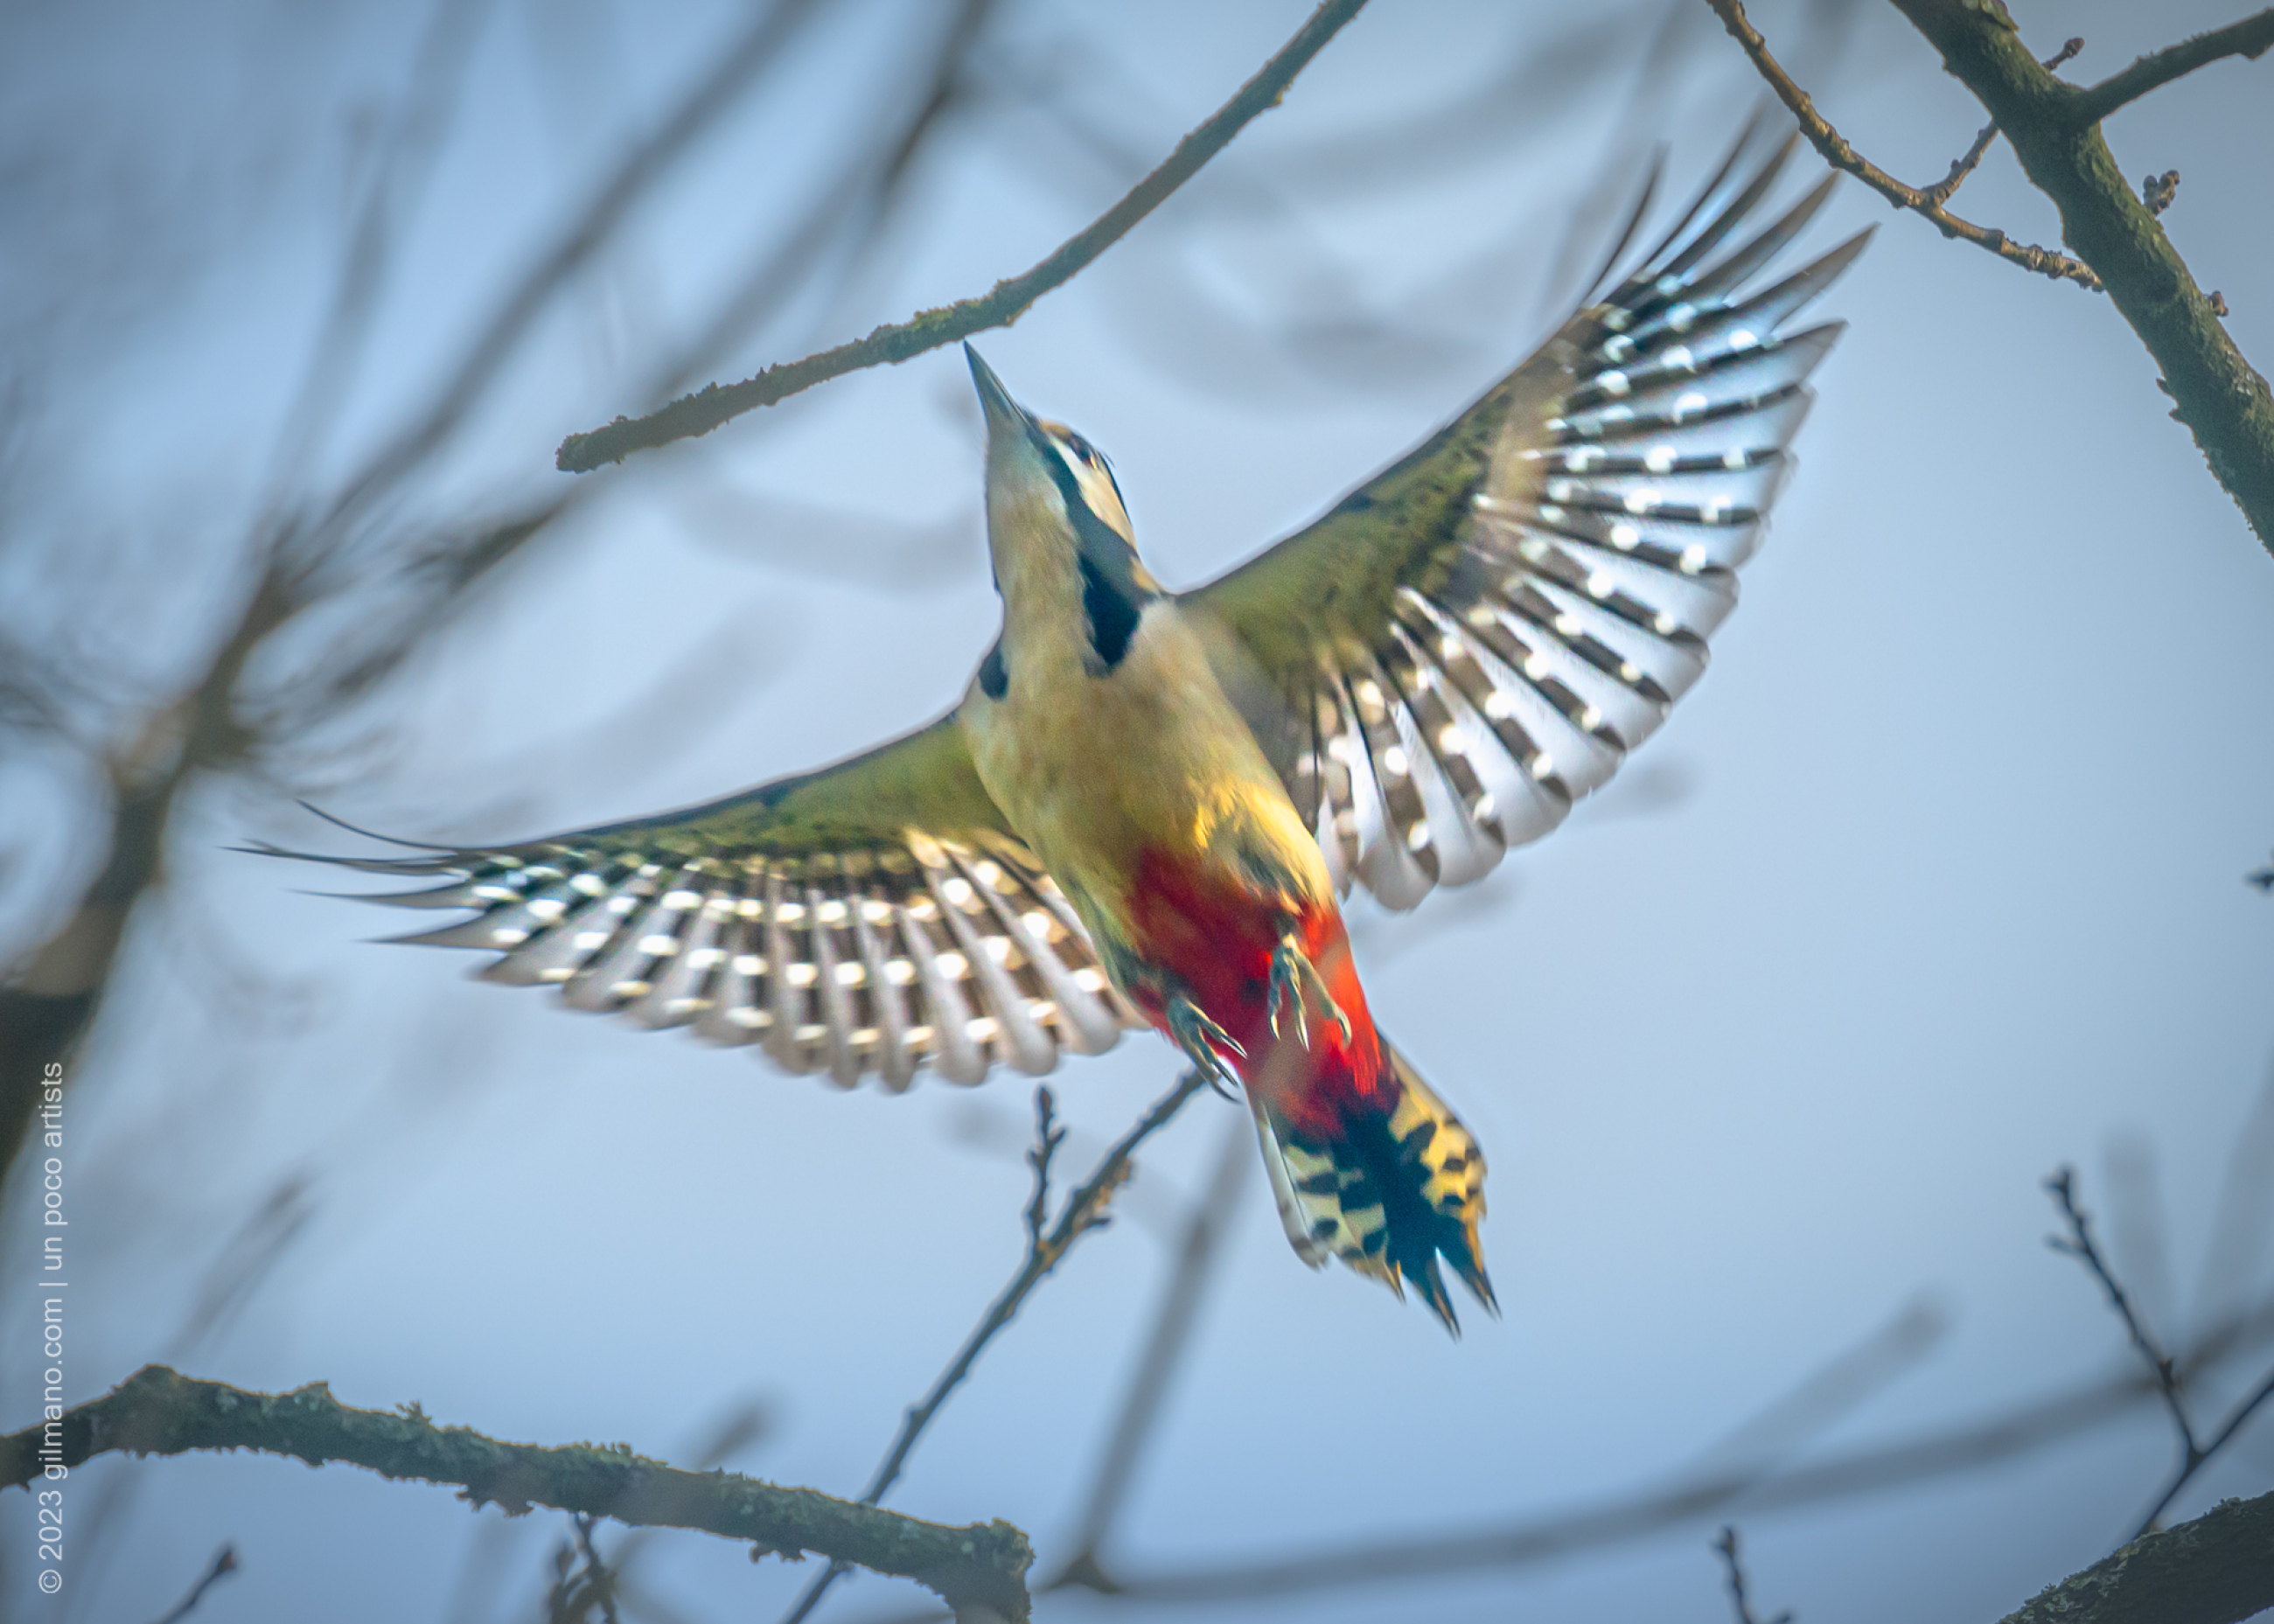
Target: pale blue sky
1934 884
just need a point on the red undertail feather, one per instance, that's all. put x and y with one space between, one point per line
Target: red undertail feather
1367 1163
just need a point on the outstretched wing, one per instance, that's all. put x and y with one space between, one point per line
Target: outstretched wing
877 916
1476 637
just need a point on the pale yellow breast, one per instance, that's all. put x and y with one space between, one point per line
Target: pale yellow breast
1094 771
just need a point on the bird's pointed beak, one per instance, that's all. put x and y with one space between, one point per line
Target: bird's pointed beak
1001 410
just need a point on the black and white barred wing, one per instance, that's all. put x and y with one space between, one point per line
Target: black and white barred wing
877 916
1474 639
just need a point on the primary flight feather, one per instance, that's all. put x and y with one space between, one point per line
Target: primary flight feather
1147 804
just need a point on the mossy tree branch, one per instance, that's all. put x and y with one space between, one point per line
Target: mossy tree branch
2218 1569
902 341
2052 126
980 1570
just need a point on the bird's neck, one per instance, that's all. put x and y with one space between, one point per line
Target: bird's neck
1045 630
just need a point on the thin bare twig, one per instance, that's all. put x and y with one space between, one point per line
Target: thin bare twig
2079 1243
1943 190
1085 1210
225 1563
1733 1574
2196 1457
2193 1453
1840 155
1005 302
576 1591
1048 1137
2249 37
1961 166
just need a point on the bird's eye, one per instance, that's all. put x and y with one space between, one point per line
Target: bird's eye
1080 446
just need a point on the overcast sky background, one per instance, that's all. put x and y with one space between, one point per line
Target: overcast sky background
1934 884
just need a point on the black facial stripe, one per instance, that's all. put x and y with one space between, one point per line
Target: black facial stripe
1111 594
1112 616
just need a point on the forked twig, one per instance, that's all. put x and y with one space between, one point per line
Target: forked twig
1840 155
1942 191
2079 1243
2193 1453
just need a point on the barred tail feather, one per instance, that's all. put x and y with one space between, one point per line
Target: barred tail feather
1390 1195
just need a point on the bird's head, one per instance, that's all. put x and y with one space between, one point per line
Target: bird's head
1055 514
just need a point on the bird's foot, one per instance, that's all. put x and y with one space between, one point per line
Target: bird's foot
1295 980
1203 1042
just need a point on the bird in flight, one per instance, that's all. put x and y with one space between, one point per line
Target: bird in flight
1147 804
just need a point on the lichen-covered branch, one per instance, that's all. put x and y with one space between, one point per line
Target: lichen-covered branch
156 1411
2221 399
2249 37
2218 1569
1836 152
901 341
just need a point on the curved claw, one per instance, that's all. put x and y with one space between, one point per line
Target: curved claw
1297 979
1202 1039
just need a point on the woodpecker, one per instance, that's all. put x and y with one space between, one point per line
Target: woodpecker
1148 804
